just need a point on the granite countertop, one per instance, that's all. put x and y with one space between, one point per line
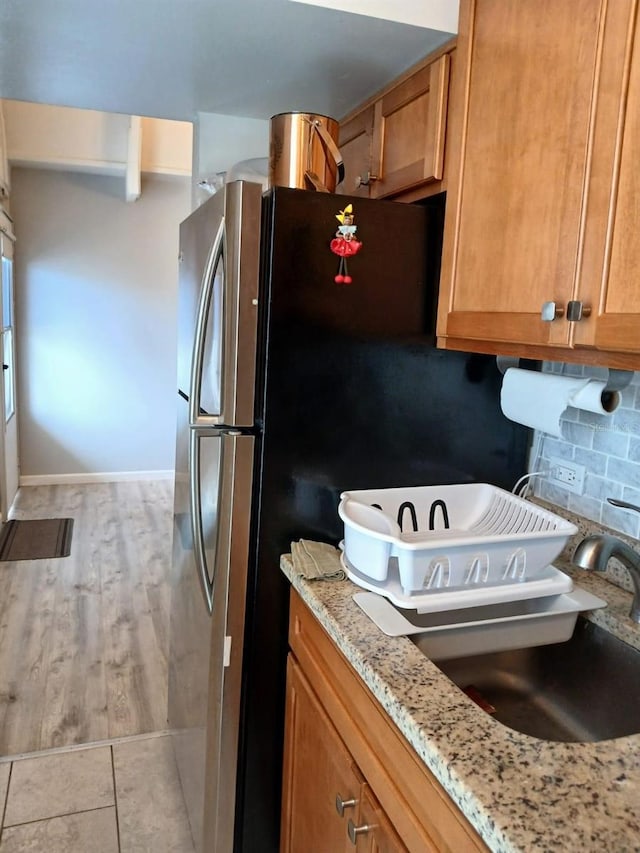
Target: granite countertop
518 792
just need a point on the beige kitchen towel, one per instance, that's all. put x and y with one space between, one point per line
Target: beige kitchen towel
317 561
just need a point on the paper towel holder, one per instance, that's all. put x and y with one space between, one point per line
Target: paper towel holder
504 362
617 378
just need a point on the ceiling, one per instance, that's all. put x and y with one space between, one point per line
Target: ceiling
174 58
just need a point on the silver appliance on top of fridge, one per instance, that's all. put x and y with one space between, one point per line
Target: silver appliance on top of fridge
292 387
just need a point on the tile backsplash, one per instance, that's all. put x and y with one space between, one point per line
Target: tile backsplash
609 448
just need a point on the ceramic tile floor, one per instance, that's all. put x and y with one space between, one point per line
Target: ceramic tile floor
120 797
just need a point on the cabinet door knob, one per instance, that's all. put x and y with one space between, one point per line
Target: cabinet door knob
551 311
354 831
365 180
576 311
341 804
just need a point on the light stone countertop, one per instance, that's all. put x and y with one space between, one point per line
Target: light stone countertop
520 793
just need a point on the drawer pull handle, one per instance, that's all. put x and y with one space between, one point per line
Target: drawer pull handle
550 312
354 831
341 804
576 311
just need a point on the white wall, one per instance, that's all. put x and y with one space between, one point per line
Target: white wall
69 139
435 14
96 293
221 141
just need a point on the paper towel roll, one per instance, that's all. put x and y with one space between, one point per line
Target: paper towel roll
538 400
593 398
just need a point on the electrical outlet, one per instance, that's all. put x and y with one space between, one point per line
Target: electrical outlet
567 474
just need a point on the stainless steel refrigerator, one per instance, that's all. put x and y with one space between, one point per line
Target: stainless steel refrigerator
294 385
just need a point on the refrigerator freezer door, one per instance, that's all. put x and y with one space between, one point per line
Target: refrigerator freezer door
222 381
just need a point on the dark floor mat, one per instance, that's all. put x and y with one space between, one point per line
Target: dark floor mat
37 539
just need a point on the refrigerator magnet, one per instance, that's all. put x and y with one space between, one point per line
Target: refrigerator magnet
344 244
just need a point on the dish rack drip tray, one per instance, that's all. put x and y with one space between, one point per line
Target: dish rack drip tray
550 581
484 629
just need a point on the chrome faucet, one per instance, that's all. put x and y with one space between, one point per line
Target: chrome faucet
594 552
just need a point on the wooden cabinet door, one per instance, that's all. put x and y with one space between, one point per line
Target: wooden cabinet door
419 809
409 131
317 769
609 281
519 155
373 832
356 141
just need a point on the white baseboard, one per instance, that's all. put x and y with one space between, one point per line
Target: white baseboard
98 477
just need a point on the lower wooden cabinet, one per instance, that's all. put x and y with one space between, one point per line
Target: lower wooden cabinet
351 780
373 832
321 782
327 805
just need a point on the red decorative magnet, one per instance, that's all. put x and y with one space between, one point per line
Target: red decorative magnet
344 244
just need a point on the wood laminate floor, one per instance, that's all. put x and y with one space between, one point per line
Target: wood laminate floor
84 638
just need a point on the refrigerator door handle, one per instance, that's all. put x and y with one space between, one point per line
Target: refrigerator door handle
216 254
197 531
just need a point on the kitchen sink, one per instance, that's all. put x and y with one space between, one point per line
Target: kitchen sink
584 689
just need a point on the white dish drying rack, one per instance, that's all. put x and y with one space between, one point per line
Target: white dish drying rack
464 536
473 560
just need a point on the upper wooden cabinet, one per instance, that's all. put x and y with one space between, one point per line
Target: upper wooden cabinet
394 145
356 147
542 192
609 275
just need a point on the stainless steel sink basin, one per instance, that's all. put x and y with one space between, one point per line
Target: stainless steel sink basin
586 689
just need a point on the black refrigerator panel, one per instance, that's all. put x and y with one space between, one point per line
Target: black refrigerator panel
356 395
424 417
352 394
299 296
388 295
